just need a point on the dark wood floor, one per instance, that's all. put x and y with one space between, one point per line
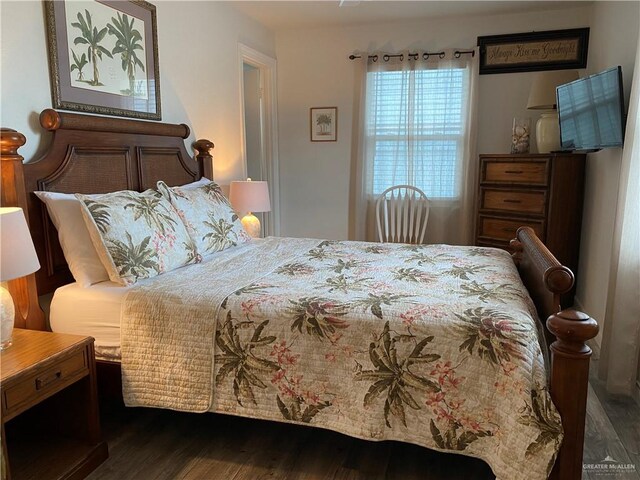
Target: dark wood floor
613 430
158 444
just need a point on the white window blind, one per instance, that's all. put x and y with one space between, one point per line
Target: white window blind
415 124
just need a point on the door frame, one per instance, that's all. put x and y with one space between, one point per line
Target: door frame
269 129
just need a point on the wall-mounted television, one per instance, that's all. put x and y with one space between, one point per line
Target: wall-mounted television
591 112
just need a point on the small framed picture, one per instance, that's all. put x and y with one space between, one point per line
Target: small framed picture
324 124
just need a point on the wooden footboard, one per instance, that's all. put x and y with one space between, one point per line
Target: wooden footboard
567 331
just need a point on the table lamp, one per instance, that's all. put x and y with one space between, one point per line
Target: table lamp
17 259
250 197
543 97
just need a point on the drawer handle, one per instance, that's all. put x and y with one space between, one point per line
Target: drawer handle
43 382
511 200
515 172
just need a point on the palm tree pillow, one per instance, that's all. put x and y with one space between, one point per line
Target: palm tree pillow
137 235
207 214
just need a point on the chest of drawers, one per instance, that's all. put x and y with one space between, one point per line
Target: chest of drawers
542 191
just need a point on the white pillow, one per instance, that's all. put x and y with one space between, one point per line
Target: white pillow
83 260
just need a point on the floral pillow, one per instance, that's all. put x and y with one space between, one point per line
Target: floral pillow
207 214
137 235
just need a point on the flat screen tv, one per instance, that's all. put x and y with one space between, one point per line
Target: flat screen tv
591 112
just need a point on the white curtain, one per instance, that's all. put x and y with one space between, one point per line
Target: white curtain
417 126
621 339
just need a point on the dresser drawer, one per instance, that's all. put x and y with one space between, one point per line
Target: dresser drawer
502 228
46 382
523 201
531 172
502 244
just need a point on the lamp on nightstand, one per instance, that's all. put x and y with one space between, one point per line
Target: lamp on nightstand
250 197
17 259
543 97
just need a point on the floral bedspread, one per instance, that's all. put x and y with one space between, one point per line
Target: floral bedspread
434 345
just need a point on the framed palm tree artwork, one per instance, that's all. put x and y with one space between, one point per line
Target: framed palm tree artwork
103 57
324 124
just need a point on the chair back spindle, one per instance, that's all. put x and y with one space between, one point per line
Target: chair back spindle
402 212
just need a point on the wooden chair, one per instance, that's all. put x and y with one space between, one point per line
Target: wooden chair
404 210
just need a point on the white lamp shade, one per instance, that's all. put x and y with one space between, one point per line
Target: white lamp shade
543 89
17 253
249 196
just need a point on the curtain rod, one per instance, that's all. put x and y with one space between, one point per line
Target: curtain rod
415 56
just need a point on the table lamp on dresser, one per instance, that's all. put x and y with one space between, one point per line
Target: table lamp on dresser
249 196
543 97
17 259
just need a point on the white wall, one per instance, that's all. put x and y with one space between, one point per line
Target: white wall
313 71
613 41
199 75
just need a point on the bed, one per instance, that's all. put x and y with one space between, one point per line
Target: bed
396 345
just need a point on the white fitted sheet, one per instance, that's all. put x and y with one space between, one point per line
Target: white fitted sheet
96 310
93 311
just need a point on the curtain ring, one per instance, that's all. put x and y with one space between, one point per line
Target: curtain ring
441 54
375 58
401 57
385 58
425 56
456 54
413 56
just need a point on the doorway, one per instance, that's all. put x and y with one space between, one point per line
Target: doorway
259 128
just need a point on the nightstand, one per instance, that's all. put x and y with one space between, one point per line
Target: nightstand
50 422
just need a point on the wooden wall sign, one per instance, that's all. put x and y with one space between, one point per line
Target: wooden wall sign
528 52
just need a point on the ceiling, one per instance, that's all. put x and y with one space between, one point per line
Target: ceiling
323 13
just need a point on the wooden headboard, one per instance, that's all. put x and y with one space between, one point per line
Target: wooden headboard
88 154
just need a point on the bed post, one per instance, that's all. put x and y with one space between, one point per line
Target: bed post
570 357
23 290
567 331
204 157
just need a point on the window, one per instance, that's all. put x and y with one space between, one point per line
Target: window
415 129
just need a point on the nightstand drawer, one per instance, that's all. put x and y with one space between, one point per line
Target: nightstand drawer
47 381
523 201
503 171
505 228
